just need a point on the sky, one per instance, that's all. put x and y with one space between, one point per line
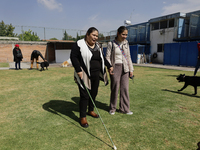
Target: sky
105 15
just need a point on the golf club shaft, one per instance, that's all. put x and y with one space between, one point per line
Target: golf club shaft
98 112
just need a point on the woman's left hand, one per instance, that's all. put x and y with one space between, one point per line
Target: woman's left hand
131 74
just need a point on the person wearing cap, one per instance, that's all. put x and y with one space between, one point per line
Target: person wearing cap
35 55
198 61
17 53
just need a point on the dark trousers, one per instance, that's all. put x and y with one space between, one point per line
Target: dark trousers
197 67
17 62
85 98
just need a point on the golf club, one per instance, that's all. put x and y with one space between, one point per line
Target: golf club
114 147
132 78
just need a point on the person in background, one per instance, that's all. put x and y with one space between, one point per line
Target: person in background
17 53
89 63
118 55
198 61
35 55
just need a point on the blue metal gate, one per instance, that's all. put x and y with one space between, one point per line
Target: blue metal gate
184 54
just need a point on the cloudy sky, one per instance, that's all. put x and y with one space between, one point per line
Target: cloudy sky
105 15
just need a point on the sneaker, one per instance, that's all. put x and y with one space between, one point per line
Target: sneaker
30 68
111 112
129 113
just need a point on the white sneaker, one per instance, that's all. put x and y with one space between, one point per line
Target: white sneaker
111 112
129 113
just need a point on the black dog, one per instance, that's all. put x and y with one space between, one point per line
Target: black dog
198 144
43 64
189 80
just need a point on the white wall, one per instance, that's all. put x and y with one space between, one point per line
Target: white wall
62 55
157 38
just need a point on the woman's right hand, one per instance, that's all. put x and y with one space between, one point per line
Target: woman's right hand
111 71
80 74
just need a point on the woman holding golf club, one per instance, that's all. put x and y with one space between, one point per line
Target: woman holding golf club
118 55
89 64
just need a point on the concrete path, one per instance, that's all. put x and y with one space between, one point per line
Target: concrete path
23 65
166 67
26 65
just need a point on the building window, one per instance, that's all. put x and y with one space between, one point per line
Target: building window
155 26
171 23
160 48
163 24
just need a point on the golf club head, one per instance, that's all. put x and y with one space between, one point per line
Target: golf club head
132 78
114 147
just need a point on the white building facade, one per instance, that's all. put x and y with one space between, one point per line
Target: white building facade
173 28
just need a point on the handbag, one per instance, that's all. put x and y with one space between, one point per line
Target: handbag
19 55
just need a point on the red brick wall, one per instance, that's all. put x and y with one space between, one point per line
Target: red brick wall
46 48
5 53
6 48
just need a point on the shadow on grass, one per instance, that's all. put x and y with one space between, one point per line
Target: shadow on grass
61 107
180 93
102 106
98 104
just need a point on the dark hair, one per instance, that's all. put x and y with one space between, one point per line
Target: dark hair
120 30
90 30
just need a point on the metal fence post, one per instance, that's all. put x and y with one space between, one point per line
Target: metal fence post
44 34
22 33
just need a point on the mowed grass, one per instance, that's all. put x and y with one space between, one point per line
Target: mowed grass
4 64
40 111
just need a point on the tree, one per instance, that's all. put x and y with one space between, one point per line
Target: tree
101 35
53 38
28 36
66 36
79 37
6 30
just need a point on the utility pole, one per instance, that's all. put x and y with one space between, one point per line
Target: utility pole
22 33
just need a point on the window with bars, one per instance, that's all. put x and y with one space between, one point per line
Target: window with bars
160 48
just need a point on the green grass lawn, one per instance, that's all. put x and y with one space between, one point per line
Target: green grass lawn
39 111
4 64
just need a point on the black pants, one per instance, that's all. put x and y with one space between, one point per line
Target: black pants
17 62
85 98
197 67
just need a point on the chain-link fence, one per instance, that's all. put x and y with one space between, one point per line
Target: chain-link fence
46 33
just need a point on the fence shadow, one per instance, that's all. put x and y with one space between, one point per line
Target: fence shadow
177 92
61 108
172 76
